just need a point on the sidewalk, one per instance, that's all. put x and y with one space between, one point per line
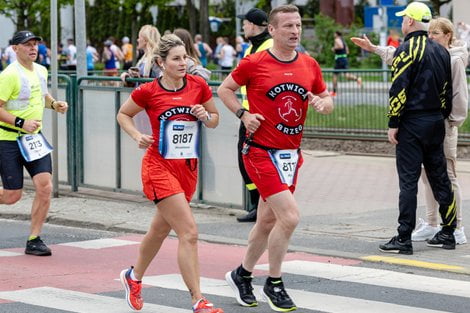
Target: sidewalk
348 205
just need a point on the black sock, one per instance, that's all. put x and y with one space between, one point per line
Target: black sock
243 272
273 280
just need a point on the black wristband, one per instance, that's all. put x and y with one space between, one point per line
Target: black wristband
52 104
240 112
19 122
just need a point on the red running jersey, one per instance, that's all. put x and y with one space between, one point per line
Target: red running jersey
162 104
278 91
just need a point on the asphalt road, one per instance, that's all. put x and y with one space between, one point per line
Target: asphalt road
78 278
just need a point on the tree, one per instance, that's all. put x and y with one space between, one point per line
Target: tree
204 19
191 10
264 5
30 14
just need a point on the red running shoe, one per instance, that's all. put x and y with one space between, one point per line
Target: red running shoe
133 288
204 306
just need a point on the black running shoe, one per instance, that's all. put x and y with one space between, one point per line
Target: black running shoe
397 246
442 240
37 247
277 297
242 287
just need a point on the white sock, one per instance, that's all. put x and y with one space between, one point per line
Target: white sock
133 275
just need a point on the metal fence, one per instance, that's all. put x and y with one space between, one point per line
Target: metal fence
360 110
92 148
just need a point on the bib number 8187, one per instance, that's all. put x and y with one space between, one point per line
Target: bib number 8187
182 138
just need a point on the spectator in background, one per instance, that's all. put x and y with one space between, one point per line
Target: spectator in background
147 41
44 54
193 65
219 44
91 57
127 53
9 55
118 56
202 49
227 55
109 59
341 51
241 47
393 38
463 32
441 31
71 53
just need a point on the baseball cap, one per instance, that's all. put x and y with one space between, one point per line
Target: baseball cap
417 11
108 43
24 36
255 16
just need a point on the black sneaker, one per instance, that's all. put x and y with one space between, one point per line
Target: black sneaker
37 247
442 240
242 287
249 217
396 246
277 297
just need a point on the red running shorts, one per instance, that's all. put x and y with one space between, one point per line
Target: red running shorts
162 178
263 172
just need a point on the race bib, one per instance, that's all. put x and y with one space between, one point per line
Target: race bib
286 162
33 146
179 139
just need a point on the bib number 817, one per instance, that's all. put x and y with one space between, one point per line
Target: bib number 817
288 166
182 138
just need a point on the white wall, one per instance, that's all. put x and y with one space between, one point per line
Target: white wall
8 28
460 11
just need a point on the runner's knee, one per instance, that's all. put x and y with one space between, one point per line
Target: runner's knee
11 196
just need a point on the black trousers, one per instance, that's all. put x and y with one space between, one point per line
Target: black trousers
252 195
420 142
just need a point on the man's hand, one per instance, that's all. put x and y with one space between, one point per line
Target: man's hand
60 106
364 43
30 126
392 135
321 105
252 121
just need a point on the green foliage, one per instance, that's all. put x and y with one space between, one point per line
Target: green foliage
361 116
170 17
225 9
30 14
312 8
100 25
321 47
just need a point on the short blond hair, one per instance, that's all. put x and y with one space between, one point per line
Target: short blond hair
287 8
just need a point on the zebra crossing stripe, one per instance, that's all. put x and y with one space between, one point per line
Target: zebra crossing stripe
99 243
79 302
303 299
377 277
9 253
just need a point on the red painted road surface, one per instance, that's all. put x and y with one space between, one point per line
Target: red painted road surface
96 270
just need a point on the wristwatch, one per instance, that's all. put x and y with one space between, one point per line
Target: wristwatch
240 112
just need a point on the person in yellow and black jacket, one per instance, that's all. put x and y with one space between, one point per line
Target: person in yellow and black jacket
255 23
420 100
